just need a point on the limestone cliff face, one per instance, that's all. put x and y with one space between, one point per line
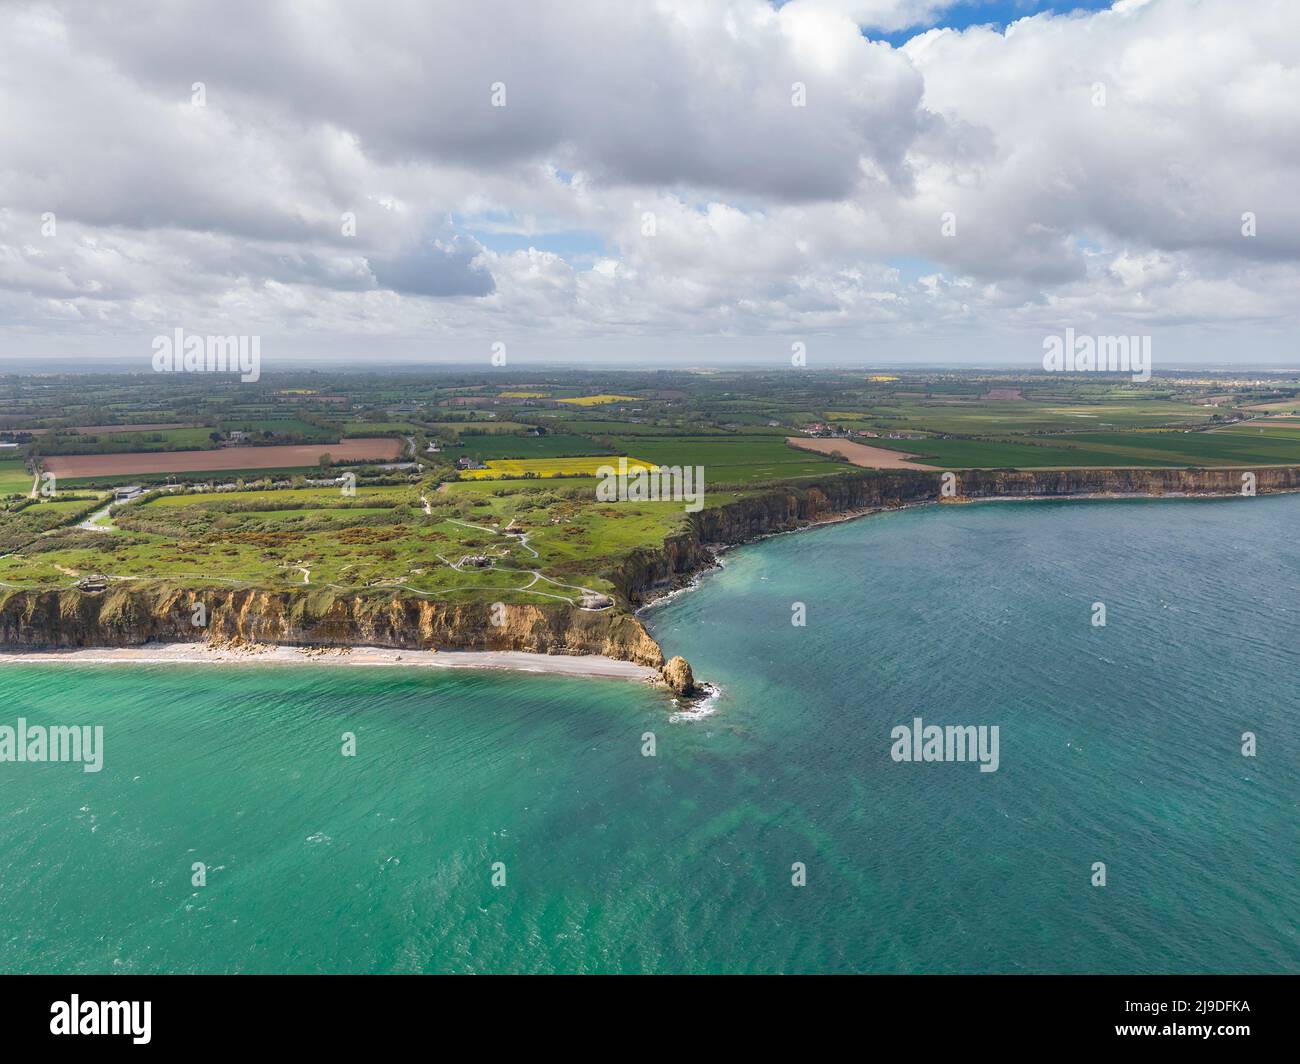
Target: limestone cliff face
678 676
128 615
124 616
1066 482
786 509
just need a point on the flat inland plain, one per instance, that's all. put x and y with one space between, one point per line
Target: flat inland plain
860 454
287 456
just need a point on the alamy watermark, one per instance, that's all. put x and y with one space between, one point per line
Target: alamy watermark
191 353
1098 354
652 484
57 743
102 1017
952 742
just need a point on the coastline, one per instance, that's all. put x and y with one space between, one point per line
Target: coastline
691 580
689 559
588 665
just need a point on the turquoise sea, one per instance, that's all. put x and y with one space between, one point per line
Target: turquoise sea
1118 744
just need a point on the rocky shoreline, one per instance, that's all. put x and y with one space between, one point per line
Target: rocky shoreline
126 616
686 557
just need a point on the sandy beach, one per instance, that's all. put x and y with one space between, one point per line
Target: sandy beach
206 654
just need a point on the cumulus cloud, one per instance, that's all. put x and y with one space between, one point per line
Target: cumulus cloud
660 169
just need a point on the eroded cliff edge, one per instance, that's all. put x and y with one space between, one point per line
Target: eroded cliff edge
128 615
648 572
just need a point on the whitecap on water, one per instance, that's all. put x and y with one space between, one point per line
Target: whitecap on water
699 709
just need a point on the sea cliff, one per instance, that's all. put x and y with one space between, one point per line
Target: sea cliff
647 573
130 615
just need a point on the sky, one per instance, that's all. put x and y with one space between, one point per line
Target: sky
650 182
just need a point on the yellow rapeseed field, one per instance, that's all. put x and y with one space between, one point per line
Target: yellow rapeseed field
596 400
550 467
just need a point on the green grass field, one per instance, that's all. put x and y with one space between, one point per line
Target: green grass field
380 540
1007 454
472 428
14 478
282 497
377 428
286 426
579 424
1229 447
555 445
125 442
1219 448
507 468
19 526
223 476
1280 427
731 459
1016 416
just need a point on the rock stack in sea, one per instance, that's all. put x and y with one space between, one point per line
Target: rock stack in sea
678 676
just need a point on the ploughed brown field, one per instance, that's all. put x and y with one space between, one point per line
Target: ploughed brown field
857 453
290 456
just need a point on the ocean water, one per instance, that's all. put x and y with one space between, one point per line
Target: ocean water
1118 744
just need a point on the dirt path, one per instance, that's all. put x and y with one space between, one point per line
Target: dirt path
536 574
90 524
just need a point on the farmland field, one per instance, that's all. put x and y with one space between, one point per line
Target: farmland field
408 538
1290 406
1009 416
474 428
198 477
575 422
1275 427
554 445
108 430
1103 449
1202 448
284 426
14 478
1011 454
550 467
599 400
731 459
859 454
367 428
86 442
225 458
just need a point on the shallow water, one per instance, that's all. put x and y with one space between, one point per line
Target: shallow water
1119 744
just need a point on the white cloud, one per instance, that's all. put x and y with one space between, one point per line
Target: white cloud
769 219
